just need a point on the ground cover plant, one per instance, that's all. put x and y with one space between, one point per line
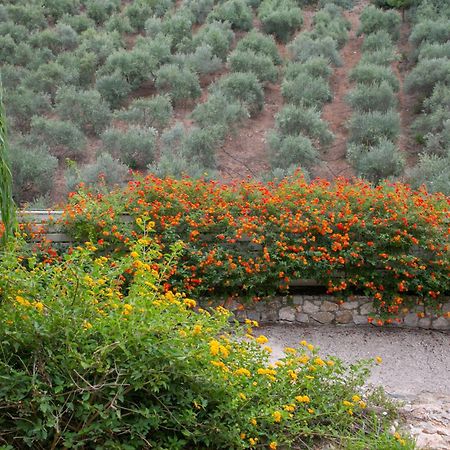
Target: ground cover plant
251 239
95 353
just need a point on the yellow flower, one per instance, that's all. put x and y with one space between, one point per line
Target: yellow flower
139 221
262 339
347 403
253 422
242 371
277 416
182 333
290 350
87 325
214 347
273 446
197 329
292 374
362 404
302 399
224 351
311 410
378 359
356 398
22 301
350 412
304 343
253 441
242 435
319 362
267 349
134 255
309 377
39 306
330 363
303 359
289 408
190 303
242 396
310 347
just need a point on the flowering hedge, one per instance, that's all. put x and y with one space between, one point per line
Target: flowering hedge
251 239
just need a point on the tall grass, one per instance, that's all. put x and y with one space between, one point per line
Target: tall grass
7 207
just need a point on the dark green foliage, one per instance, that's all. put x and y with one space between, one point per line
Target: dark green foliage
100 43
288 151
370 128
135 147
153 112
380 161
180 83
379 40
114 88
305 47
315 67
370 74
202 61
178 26
435 50
100 10
430 31
426 74
260 44
236 12
346 4
79 23
306 90
105 170
153 27
55 9
201 143
119 24
33 169
379 58
85 108
81 63
217 35
292 120
374 19
375 97
243 87
62 137
260 65
219 110
199 9
62 38
280 18
139 11
330 22
30 16
22 104
432 171
12 76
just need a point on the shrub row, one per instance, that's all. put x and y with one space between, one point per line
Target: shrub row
375 124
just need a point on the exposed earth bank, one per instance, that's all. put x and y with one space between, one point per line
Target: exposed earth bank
415 368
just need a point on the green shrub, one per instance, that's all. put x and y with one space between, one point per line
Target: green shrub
433 51
375 97
12 76
370 74
260 44
219 110
180 83
330 22
260 65
134 147
104 171
100 10
432 171
374 19
114 88
369 128
153 26
315 67
288 151
172 138
118 24
426 74
430 31
375 163
56 9
29 15
202 61
22 104
292 120
216 35
18 33
139 11
101 43
200 145
345 4
79 22
199 9
379 58
81 63
236 12
243 87
62 137
280 18
305 47
33 170
177 26
306 90
376 41
153 112
85 108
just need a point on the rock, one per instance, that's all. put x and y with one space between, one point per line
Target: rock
424 322
298 300
411 320
360 320
350 305
254 315
270 315
323 317
441 324
329 306
366 309
287 313
309 307
302 318
344 317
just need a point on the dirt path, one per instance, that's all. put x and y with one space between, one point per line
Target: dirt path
415 368
338 112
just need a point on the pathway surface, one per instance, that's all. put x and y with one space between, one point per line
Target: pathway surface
415 368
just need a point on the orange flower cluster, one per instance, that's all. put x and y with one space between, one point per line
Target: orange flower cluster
251 239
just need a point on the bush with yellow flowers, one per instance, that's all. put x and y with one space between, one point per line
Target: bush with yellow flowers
94 354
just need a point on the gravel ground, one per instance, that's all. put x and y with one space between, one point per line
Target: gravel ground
415 368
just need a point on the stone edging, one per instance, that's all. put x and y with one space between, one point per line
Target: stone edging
326 309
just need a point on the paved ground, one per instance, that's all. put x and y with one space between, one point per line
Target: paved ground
415 368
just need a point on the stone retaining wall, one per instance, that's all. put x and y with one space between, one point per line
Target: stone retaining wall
323 309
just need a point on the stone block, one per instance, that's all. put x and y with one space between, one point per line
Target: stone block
344 317
269 315
302 318
298 300
360 320
329 306
309 307
366 309
411 320
350 305
287 314
424 322
440 324
323 317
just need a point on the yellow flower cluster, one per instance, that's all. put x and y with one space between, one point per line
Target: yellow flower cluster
39 306
277 416
216 348
302 399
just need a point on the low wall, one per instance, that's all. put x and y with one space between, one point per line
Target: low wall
324 309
